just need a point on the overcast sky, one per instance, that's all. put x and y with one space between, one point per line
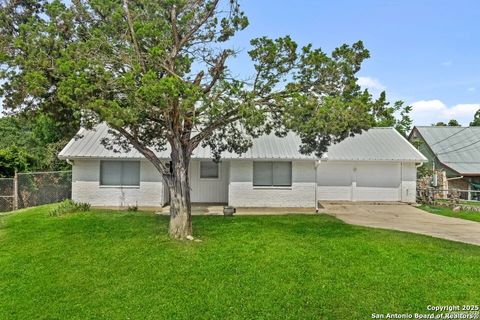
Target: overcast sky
425 52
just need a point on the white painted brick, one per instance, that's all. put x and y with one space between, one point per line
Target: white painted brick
242 193
86 187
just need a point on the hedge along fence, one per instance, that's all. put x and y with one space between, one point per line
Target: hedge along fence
30 189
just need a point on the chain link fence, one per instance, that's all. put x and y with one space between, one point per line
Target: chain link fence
6 194
30 189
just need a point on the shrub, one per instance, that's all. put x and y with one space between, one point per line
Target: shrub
132 208
69 206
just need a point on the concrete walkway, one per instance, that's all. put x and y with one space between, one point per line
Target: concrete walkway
205 209
405 217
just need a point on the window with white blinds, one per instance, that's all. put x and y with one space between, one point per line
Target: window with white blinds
272 173
120 173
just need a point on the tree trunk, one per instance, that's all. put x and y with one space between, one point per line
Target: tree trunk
179 189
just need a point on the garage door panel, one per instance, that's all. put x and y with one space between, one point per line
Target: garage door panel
334 182
359 181
332 174
376 194
378 175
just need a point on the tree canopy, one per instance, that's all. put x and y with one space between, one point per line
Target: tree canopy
451 123
157 72
476 119
31 142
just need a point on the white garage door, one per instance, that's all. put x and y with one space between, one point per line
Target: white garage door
359 181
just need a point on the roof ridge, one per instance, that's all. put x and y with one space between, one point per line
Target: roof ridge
381 128
448 127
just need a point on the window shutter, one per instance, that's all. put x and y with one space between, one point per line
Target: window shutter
262 174
110 173
120 173
282 174
209 170
131 173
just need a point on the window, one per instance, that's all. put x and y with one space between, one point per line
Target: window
209 170
120 173
272 174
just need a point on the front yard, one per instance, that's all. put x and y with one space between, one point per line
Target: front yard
120 265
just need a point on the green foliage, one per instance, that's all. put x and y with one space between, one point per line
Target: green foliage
12 158
69 206
132 208
451 123
476 119
122 265
31 142
397 116
158 69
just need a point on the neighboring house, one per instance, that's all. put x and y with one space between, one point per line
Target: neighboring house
378 165
455 150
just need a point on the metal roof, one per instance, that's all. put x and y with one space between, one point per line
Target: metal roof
377 144
456 147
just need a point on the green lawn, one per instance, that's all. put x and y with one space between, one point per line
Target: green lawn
120 265
467 202
444 211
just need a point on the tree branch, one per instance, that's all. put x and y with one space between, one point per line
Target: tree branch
173 18
132 35
228 118
146 152
216 70
196 27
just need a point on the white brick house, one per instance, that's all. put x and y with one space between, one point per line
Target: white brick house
378 165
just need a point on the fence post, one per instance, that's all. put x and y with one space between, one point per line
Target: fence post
15 190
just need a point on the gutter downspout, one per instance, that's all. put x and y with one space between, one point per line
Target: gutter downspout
317 163
70 162
401 182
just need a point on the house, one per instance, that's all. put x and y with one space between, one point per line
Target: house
378 165
453 150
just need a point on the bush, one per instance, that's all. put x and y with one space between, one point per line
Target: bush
69 206
132 208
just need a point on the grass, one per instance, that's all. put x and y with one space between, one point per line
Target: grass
121 265
467 202
444 211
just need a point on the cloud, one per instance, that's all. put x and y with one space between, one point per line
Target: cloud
426 112
374 86
447 63
472 89
370 83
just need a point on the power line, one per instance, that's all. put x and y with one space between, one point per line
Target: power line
449 136
468 145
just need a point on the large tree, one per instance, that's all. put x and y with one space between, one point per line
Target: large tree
157 72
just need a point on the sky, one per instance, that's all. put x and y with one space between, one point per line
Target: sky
424 52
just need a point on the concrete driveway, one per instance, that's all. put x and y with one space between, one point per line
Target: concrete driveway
404 217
